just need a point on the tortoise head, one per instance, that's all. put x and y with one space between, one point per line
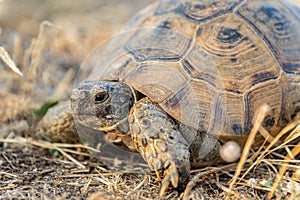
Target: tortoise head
102 104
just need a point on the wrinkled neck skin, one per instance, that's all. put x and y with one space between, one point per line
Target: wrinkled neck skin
103 105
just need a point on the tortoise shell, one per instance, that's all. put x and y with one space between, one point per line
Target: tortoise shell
212 63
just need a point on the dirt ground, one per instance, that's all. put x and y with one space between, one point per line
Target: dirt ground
48 40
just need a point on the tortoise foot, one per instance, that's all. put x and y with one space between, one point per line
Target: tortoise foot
161 144
58 124
122 141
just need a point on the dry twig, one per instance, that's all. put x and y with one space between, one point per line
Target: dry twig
259 117
56 146
8 61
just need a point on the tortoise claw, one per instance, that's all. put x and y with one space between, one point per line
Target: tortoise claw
173 173
165 185
122 141
171 176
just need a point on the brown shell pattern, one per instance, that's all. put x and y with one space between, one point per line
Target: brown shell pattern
211 63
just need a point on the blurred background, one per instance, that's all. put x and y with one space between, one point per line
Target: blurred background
98 15
48 40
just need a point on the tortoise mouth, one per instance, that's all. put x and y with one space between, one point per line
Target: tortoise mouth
121 127
104 125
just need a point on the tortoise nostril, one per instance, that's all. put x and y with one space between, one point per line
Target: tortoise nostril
82 94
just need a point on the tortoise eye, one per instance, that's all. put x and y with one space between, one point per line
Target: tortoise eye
101 97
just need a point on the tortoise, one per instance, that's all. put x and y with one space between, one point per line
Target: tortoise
190 76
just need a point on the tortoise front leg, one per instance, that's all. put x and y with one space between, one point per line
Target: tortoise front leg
122 141
161 144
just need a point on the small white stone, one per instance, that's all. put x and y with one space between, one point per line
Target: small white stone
230 151
252 182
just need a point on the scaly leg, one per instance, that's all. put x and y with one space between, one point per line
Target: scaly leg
122 141
157 138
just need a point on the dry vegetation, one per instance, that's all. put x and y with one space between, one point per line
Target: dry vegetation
49 54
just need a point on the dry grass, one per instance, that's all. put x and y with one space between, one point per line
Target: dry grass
32 169
91 178
8 61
